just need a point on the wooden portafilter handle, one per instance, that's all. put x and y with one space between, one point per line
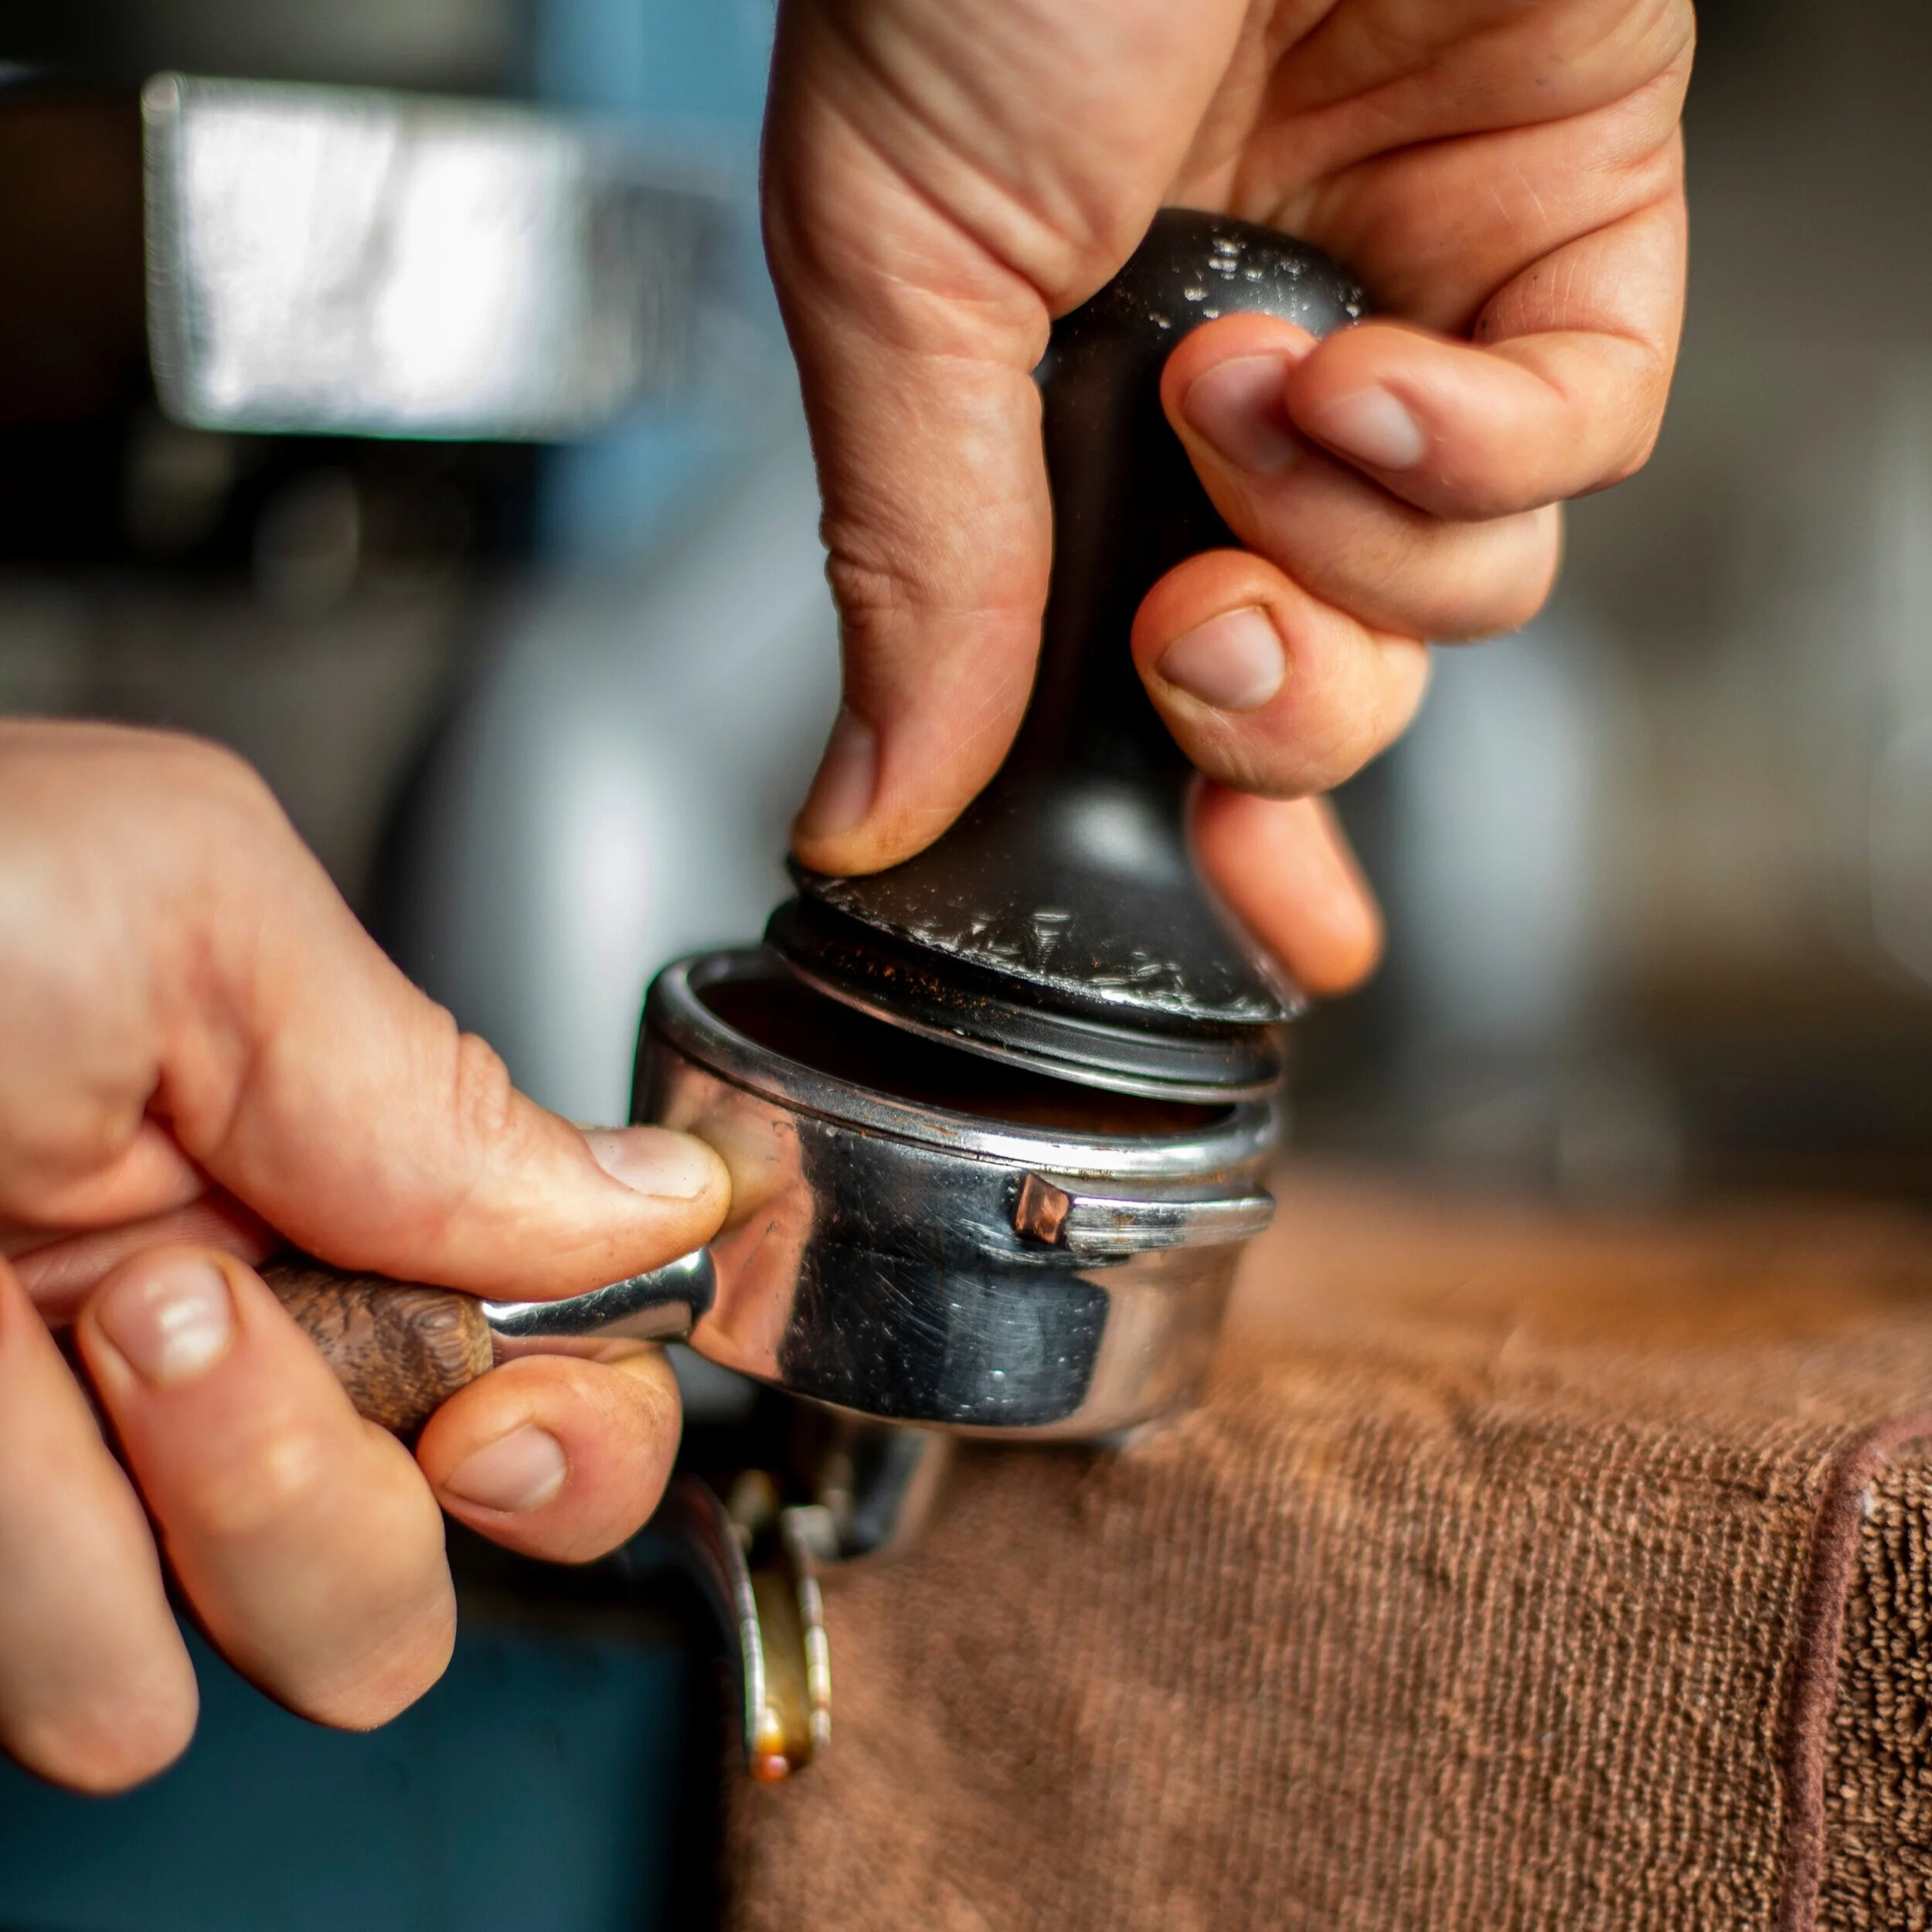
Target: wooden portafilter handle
401 1348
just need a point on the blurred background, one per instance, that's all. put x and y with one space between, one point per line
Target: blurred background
1658 871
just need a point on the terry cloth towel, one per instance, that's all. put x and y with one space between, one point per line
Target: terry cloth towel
1518 1571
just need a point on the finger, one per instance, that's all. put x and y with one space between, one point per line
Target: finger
1561 391
147 1175
1266 688
305 1538
1435 227
96 1689
367 1128
926 428
555 1456
1364 71
1338 535
60 1275
938 532
1285 868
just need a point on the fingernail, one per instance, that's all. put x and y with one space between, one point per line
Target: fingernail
519 1471
171 1322
841 794
655 1160
1374 427
1238 406
1234 661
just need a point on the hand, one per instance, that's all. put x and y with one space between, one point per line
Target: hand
940 181
198 1043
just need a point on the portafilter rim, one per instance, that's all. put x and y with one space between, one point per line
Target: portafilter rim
1241 1133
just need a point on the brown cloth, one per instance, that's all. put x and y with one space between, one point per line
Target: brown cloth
1518 1571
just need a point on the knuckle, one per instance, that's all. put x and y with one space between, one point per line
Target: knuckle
280 1471
482 1097
222 781
221 767
222 823
865 589
1513 585
1634 458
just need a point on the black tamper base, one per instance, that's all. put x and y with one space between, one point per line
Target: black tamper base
955 1002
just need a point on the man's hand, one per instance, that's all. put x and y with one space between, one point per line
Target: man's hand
940 181
198 1044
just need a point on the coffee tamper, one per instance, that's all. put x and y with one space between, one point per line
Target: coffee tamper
997 1118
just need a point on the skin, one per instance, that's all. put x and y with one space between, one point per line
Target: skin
1505 176
198 1044
201 1052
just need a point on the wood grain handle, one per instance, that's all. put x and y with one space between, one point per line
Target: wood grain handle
400 1349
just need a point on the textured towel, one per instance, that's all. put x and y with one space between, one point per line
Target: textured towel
1518 1571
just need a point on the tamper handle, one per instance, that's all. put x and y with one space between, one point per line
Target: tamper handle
401 1349
1127 506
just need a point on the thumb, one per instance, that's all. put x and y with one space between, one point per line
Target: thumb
938 182
915 346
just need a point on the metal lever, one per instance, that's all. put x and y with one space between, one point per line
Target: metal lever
662 1305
